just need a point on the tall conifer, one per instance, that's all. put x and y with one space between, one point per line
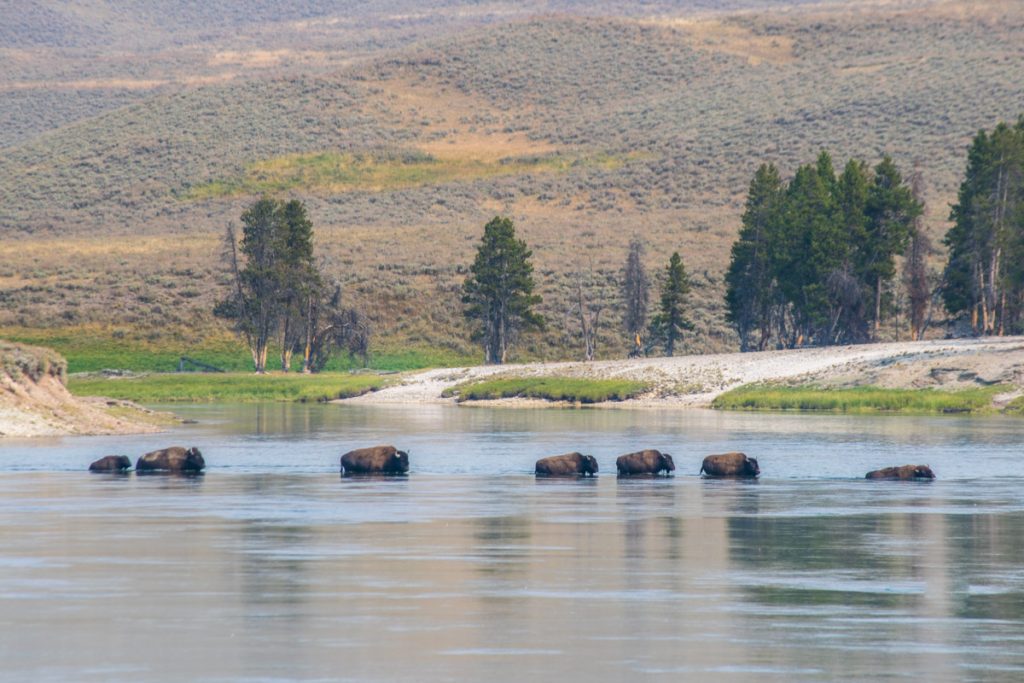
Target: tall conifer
668 326
499 290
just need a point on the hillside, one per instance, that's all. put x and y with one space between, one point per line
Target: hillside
585 129
35 402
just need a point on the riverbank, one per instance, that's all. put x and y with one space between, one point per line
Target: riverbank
696 381
227 387
34 400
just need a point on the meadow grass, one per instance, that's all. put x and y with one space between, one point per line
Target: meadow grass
1015 407
859 399
550 389
337 172
95 348
227 387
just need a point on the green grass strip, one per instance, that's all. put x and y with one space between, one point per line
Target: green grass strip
859 399
550 389
91 351
227 387
338 172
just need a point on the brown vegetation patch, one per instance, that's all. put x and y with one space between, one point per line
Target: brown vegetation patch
119 83
732 39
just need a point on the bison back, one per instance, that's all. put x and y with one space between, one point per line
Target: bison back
174 459
729 465
111 463
642 462
375 460
563 465
903 473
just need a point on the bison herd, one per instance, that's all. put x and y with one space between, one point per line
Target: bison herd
388 460
173 460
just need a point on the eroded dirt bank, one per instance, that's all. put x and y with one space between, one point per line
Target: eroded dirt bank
35 402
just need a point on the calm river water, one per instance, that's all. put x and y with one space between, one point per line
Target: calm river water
271 567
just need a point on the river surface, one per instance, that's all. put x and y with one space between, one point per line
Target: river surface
272 568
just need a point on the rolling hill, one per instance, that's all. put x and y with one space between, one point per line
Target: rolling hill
587 126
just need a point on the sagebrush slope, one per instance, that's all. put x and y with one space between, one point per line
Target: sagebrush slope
606 128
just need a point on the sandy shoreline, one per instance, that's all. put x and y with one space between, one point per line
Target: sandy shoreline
695 381
34 400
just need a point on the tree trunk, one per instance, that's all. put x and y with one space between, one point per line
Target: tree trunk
984 301
1002 314
878 306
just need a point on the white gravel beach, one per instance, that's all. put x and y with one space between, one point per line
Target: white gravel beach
694 381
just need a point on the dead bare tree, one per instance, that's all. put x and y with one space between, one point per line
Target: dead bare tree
589 315
331 327
635 296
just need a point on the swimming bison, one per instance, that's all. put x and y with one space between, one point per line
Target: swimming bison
111 463
375 460
175 459
905 472
645 462
730 465
570 464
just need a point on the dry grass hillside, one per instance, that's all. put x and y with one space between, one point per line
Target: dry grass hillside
585 129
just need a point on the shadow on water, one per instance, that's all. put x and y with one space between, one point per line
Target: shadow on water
172 481
556 481
375 477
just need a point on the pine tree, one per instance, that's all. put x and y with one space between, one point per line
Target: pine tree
752 295
300 280
983 276
499 290
277 289
810 247
891 211
253 303
668 325
635 295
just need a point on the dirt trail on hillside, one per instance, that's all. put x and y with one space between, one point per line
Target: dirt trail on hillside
695 381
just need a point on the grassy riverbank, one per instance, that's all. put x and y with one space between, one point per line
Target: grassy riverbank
865 399
227 387
91 348
573 389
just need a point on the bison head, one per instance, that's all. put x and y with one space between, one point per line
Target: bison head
193 460
752 467
400 462
588 465
666 463
923 472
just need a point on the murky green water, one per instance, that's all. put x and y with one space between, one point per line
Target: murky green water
273 568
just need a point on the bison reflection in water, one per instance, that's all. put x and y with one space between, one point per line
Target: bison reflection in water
175 460
730 465
903 472
645 462
375 460
568 465
117 464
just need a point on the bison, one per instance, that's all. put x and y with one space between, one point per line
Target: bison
645 462
175 459
904 473
111 463
567 465
375 460
730 465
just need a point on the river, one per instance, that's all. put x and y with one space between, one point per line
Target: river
271 567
